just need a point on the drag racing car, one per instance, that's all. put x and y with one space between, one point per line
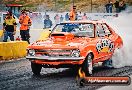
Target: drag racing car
75 44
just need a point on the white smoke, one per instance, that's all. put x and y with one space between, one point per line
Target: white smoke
123 26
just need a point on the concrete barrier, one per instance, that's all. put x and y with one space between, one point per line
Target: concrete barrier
17 49
1 35
12 50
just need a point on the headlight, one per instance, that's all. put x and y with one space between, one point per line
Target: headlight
31 52
75 53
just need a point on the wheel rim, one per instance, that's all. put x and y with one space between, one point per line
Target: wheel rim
90 65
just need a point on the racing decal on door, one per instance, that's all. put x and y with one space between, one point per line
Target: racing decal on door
105 45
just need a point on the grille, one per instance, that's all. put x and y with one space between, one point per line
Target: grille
54 53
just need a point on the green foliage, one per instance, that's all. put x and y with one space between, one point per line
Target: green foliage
13 2
63 4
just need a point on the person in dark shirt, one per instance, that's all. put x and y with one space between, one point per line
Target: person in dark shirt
117 6
9 27
61 18
66 17
47 22
108 7
122 6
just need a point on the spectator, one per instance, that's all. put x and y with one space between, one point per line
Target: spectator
47 22
25 22
40 16
9 27
72 15
61 18
44 15
122 6
66 17
31 15
117 6
80 16
76 16
84 17
109 7
57 19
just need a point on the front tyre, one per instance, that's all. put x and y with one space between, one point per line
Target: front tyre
36 68
88 65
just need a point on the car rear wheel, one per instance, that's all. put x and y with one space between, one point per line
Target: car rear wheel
36 68
108 63
88 65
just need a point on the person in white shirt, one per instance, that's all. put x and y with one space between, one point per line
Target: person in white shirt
80 16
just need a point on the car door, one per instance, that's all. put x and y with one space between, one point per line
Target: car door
103 42
110 36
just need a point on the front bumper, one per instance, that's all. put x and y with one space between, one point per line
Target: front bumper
54 58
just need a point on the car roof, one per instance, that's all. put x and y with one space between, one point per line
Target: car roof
85 21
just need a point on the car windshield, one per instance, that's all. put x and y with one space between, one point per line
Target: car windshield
81 29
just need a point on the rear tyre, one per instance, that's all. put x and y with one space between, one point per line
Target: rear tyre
88 65
36 68
107 63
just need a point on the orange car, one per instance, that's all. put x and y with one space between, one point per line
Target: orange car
75 43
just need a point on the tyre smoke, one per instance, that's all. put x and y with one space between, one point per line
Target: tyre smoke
123 26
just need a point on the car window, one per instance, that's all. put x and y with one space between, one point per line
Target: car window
80 29
99 30
58 28
106 29
84 30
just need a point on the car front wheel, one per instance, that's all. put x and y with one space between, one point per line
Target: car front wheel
88 65
36 68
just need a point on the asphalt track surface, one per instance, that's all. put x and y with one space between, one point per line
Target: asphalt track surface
17 75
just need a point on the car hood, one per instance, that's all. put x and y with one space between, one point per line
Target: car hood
60 42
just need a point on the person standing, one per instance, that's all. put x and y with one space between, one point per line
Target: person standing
109 7
25 22
61 18
9 27
44 15
47 22
122 5
117 6
76 16
57 19
73 14
39 17
66 17
84 17
80 16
